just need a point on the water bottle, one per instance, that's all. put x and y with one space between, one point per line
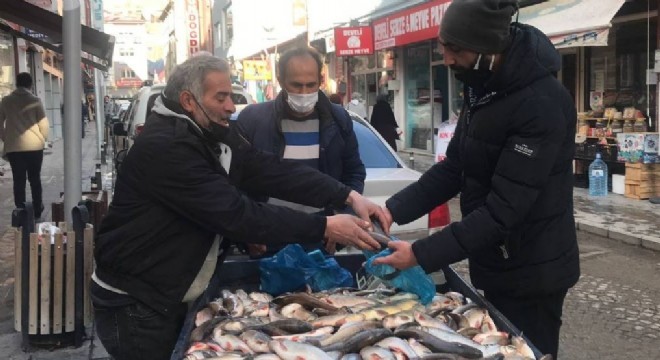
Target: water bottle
598 177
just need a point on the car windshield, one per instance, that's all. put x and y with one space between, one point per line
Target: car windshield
373 152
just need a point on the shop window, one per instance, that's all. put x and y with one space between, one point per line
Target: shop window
7 72
419 127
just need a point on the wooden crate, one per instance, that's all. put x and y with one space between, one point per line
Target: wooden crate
52 281
642 181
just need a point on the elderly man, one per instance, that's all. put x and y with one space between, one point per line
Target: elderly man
511 161
178 196
302 125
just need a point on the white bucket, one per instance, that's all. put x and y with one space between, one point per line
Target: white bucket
618 184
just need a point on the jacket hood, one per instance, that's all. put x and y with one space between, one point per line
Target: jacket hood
530 57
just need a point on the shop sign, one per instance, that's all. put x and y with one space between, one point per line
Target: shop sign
192 27
410 26
256 70
355 40
128 82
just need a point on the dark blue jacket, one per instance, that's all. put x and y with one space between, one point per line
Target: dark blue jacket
261 124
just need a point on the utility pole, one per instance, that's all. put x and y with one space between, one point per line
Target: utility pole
71 39
99 80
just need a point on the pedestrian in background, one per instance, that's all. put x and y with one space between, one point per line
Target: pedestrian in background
24 130
511 160
382 119
357 105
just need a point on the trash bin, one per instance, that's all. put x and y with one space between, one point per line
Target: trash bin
52 271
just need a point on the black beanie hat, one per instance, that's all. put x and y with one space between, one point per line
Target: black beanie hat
478 25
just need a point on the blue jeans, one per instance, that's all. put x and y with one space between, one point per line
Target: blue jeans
137 331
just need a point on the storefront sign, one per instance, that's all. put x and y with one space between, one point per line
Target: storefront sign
410 26
352 41
256 70
192 26
128 82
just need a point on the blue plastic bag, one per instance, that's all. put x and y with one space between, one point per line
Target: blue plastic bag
291 268
413 280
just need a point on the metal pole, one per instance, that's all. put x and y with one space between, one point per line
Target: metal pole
100 111
71 40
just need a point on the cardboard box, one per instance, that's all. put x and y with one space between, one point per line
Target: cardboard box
638 147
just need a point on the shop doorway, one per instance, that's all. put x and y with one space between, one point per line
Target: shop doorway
571 73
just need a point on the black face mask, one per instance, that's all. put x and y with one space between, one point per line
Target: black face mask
216 132
475 77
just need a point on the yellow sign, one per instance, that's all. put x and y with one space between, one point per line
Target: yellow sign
256 70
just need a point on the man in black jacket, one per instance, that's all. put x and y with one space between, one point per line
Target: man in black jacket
511 161
178 195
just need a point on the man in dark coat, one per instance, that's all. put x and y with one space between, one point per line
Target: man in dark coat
302 125
511 161
382 119
178 195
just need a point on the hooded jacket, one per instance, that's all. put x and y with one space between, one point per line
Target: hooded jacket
511 160
261 124
173 196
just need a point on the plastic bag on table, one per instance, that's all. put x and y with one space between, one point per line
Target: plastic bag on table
291 268
413 280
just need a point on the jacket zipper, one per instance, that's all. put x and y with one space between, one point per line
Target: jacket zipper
505 253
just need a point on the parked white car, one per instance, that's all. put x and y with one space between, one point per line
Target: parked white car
240 97
140 108
386 175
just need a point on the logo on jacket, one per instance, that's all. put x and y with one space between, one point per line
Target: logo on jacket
527 150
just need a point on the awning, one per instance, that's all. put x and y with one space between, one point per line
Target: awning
46 30
571 23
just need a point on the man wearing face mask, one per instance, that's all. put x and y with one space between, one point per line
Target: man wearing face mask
302 125
511 161
176 201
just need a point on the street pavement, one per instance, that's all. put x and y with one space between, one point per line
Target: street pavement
612 313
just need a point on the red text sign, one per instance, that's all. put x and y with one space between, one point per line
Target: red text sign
352 41
409 26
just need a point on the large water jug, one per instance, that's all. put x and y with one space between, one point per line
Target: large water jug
598 177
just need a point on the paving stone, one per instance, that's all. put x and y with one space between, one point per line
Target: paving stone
650 242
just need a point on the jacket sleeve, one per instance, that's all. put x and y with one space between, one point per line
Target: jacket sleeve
264 173
182 180
522 170
353 173
435 187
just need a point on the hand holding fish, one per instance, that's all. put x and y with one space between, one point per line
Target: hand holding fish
366 209
401 258
350 231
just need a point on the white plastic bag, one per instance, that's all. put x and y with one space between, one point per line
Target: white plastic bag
445 133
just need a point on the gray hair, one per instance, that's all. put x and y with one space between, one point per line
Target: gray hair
190 75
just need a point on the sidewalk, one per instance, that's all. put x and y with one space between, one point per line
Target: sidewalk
52 178
635 222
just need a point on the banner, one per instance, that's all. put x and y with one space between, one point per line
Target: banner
410 26
192 27
256 70
352 41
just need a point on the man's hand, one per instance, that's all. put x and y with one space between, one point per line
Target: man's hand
349 230
365 209
402 256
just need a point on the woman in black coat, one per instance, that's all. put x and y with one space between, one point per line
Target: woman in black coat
382 119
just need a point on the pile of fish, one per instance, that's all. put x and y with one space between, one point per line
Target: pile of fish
348 324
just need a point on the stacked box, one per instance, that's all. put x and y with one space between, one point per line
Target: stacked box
642 181
638 147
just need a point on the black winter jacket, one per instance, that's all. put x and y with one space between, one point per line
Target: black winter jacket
511 160
172 197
